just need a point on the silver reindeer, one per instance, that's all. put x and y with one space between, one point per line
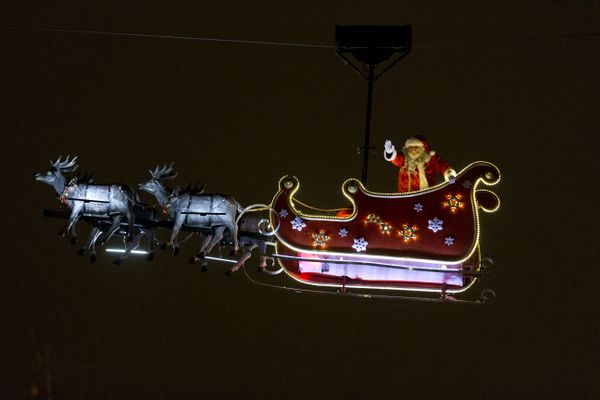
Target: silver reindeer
113 201
212 212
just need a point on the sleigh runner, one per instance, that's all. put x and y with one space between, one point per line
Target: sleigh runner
424 240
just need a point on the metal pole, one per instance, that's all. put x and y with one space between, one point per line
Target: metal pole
366 148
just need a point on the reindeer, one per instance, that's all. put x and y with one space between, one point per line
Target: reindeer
113 201
213 212
251 238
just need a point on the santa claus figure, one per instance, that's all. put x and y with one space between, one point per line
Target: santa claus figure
419 165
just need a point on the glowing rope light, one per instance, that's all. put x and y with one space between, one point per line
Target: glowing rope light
123 251
226 260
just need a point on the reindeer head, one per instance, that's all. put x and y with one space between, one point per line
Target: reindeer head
158 175
54 176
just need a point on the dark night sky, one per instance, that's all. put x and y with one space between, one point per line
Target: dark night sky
239 116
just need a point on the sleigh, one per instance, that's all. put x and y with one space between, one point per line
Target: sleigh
418 241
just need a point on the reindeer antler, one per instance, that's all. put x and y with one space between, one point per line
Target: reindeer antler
85 178
66 165
164 172
199 189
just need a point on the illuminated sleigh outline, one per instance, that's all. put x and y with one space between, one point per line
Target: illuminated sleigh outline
425 241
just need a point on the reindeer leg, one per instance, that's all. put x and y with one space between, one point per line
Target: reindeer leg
150 244
88 242
201 253
212 240
175 232
135 243
116 222
130 220
63 231
246 254
92 246
75 214
262 265
234 236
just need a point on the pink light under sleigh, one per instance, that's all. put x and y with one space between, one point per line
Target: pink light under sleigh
419 241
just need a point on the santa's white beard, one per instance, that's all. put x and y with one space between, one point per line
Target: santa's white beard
416 162
413 160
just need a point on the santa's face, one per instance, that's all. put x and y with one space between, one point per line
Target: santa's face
414 151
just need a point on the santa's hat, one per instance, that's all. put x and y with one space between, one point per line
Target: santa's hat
421 142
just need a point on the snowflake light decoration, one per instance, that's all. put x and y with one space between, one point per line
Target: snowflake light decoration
360 245
298 224
320 239
343 232
435 224
408 233
467 184
449 241
418 207
453 202
283 213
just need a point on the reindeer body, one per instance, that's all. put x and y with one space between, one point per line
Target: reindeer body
213 212
101 200
205 211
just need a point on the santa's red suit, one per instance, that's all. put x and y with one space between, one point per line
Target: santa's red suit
419 173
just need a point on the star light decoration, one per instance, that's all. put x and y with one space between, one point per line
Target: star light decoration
385 228
408 233
360 244
418 207
453 202
435 224
298 224
320 239
373 218
343 232
283 213
449 241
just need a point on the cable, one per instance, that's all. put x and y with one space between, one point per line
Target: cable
524 38
206 39
293 44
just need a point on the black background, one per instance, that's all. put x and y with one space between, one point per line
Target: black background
513 83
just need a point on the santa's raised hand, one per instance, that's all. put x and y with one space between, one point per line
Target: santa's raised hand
389 147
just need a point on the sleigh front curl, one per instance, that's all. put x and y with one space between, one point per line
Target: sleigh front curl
424 240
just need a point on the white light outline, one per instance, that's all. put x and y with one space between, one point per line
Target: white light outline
497 200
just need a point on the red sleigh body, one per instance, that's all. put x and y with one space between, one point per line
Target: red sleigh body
424 241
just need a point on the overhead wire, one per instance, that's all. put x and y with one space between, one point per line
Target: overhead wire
295 44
